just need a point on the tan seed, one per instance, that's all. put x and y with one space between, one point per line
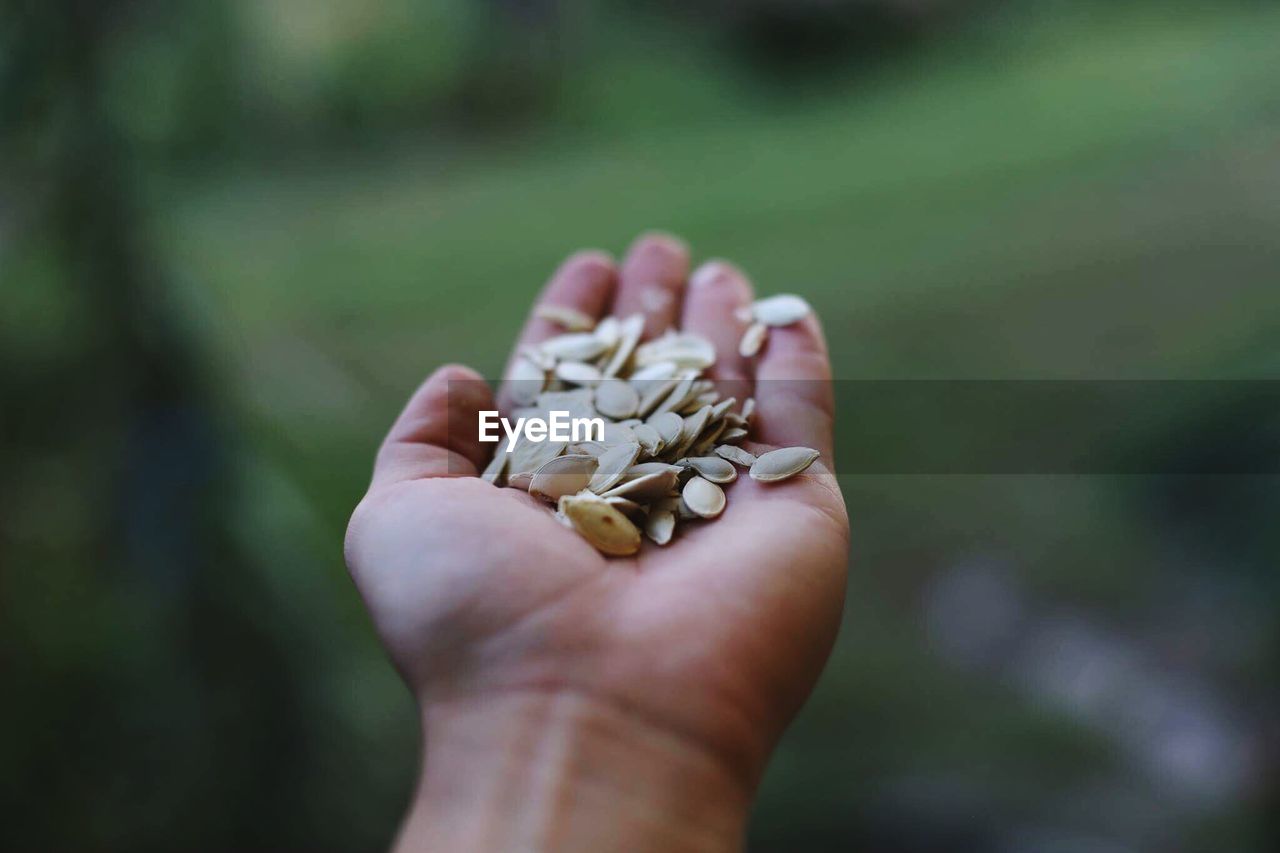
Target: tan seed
602 525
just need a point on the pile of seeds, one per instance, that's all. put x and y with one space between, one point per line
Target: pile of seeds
670 442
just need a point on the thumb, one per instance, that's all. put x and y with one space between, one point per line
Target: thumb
436 435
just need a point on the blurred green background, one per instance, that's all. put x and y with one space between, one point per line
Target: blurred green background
234 236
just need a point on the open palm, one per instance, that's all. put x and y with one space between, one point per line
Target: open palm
478 591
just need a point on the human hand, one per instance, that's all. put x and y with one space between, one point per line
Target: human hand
575 701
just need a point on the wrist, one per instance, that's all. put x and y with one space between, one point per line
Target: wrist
538 770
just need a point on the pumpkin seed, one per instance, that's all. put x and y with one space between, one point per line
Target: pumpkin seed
564 475
646 488
648 439
602 525
703 497
496 468
753 340
570 318
660 525
736 454
578 373
712 468
629 332
782 463
617 399
576 346
613 464
526 381
668 425
669 437
781 310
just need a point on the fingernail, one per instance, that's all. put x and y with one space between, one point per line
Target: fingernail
707 273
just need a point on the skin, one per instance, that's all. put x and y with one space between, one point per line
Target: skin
571 701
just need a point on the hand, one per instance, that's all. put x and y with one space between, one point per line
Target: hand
575 701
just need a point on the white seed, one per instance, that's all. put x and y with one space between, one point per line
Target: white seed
668 425
736 454
782 463
721 408
657 370
529 456
576 402
654 393
607 331
712 468
752 340
496 468
679 394
570 318
629 332
617 399
564 475
576 346
578 373
781 310
648 438
646 488
590 448
625 506
644 469
685 349
703 497
658 409
613 464
526 381
544 360
660 525
690 430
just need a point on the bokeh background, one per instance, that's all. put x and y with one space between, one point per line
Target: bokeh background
234 236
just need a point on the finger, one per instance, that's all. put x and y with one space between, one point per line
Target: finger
652 280
437 434
717 292
585 282
794 403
